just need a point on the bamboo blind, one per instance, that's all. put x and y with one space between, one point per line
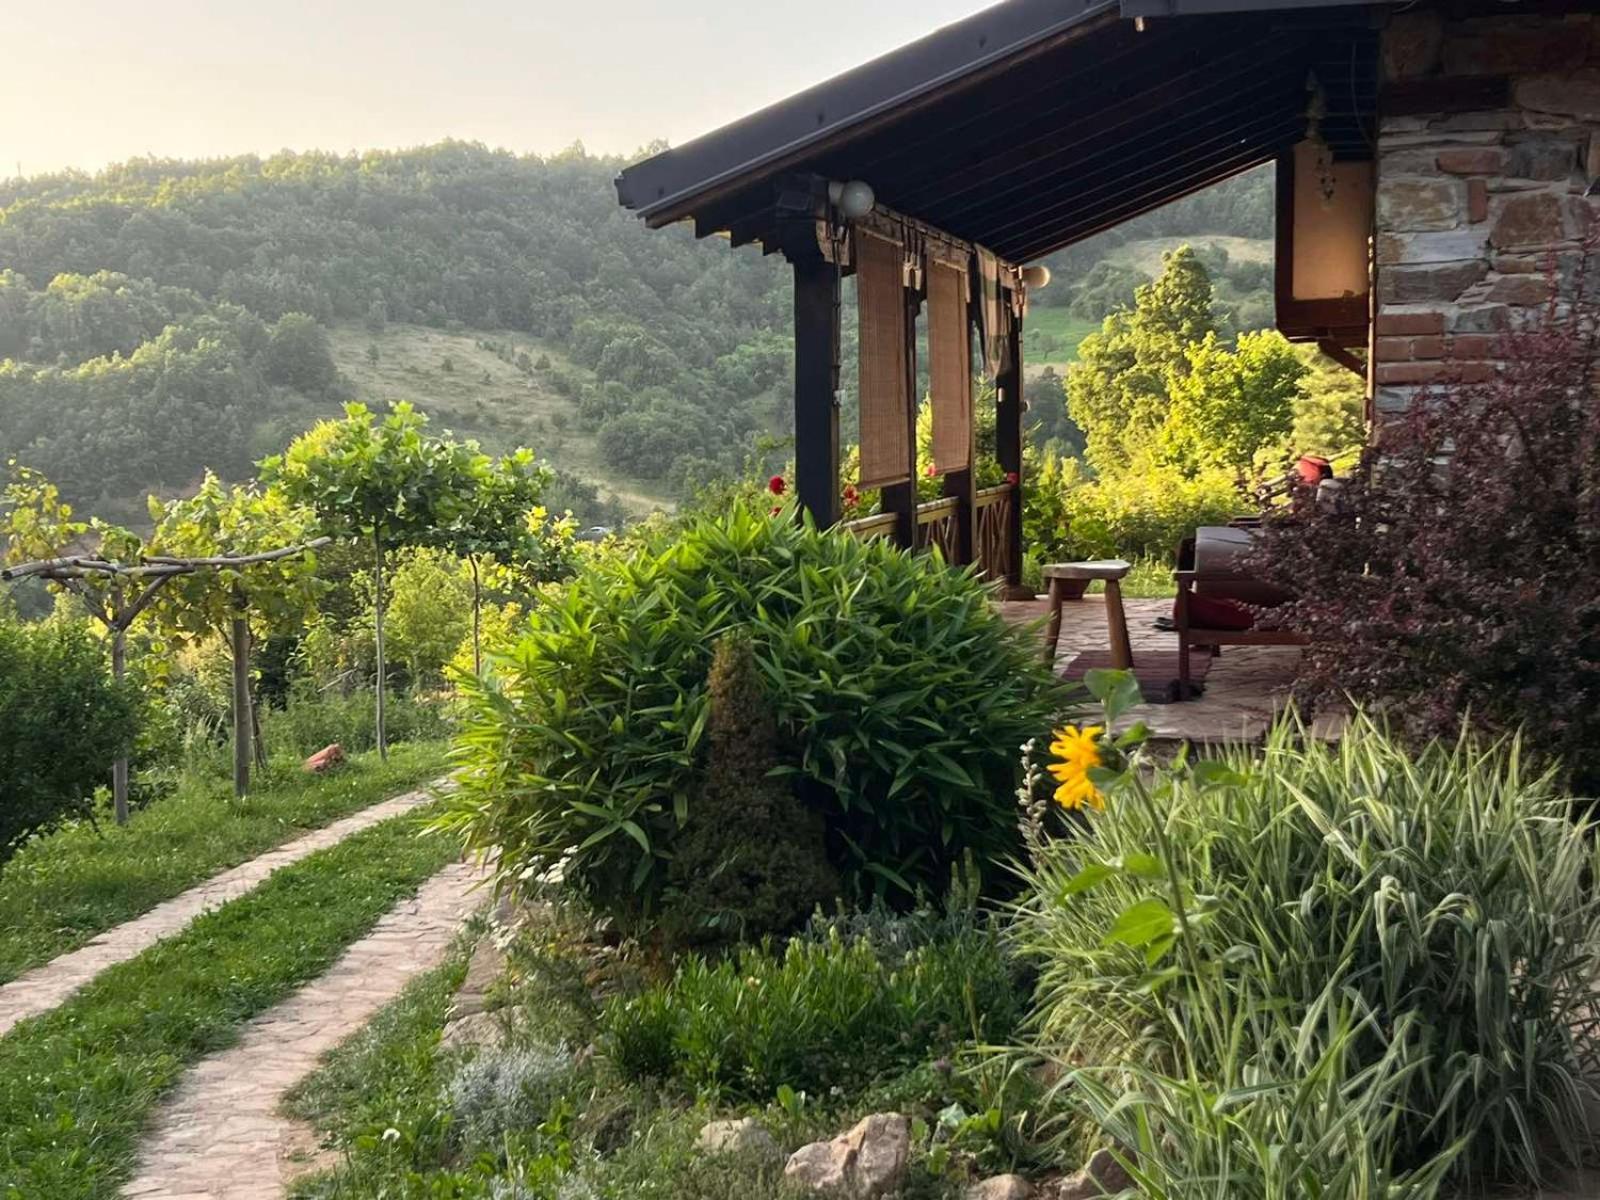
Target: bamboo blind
885 375
950 366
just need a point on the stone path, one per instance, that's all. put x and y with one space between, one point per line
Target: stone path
219 1135
41 989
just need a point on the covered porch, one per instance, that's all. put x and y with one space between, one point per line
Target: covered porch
930 178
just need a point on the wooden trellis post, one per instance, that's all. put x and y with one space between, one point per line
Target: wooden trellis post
117 614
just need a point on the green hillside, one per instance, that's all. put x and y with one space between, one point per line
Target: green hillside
160 318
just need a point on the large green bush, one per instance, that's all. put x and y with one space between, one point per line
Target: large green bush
900 697
1143 513
1389 961
62 722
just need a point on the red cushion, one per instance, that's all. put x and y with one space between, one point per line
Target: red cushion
1214 612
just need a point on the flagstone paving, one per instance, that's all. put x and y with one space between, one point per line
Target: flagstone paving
43 988
219 1136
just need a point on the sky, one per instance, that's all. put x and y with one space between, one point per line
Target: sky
89 82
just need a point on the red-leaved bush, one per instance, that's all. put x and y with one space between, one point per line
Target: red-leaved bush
1458 574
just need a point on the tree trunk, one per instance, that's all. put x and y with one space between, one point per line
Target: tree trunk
377 614
243 724
119 769
477 618
255 732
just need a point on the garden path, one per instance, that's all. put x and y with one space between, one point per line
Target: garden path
41 989
219 1135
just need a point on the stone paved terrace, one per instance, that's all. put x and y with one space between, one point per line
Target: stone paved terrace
1246 688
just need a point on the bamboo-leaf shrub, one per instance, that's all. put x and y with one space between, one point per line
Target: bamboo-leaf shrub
1389 969
901 697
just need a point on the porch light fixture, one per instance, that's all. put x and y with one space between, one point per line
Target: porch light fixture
853 200
1036 278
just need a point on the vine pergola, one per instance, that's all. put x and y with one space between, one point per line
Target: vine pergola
131 589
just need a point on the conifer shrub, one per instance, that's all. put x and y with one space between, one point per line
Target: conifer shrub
754 860
899 696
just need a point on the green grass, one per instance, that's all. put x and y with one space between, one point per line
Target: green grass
1150 579
387 1065
78 1084
64 889
483 396
1053 335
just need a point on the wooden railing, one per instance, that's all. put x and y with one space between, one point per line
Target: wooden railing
991 542
877 525
937 525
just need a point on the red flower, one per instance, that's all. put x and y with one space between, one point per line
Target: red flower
775 485
1012 478
928 470
776 509
850 493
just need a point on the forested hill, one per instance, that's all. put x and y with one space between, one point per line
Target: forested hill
149 312
161 317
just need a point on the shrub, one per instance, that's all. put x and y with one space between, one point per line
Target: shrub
831 1009
500 1090
899 693
63 721
1390 959
753 862
1431 591
1141 513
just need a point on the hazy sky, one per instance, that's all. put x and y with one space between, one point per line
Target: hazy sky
88 82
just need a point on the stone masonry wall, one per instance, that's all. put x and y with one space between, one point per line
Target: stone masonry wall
1475 206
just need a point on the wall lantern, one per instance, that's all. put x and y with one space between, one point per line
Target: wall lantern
1324 237
853 200
1036 278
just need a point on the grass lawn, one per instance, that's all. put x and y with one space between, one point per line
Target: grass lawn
64 889
1150 579
78 1084
1052 336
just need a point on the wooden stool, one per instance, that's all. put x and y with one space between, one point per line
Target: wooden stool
1112 571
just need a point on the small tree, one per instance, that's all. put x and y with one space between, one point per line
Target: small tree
61 717
504 522
388 483
240 602
41 533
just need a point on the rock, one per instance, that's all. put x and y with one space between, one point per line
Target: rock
1575 93
1538 220
1102 1175
485 969
1001 1187
744 1137
1406 205
324 760
868 1162
1428 284
477 1029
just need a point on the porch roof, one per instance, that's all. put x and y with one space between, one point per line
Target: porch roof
1035 123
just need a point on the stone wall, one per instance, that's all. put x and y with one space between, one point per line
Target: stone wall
1477 204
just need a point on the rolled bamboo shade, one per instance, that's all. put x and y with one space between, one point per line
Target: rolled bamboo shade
949 366
885 376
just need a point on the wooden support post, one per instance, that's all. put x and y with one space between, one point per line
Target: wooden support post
1009 435
901 498
382 733
816 387
243 723
119 670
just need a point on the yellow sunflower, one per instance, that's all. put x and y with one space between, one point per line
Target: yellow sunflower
1078 752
